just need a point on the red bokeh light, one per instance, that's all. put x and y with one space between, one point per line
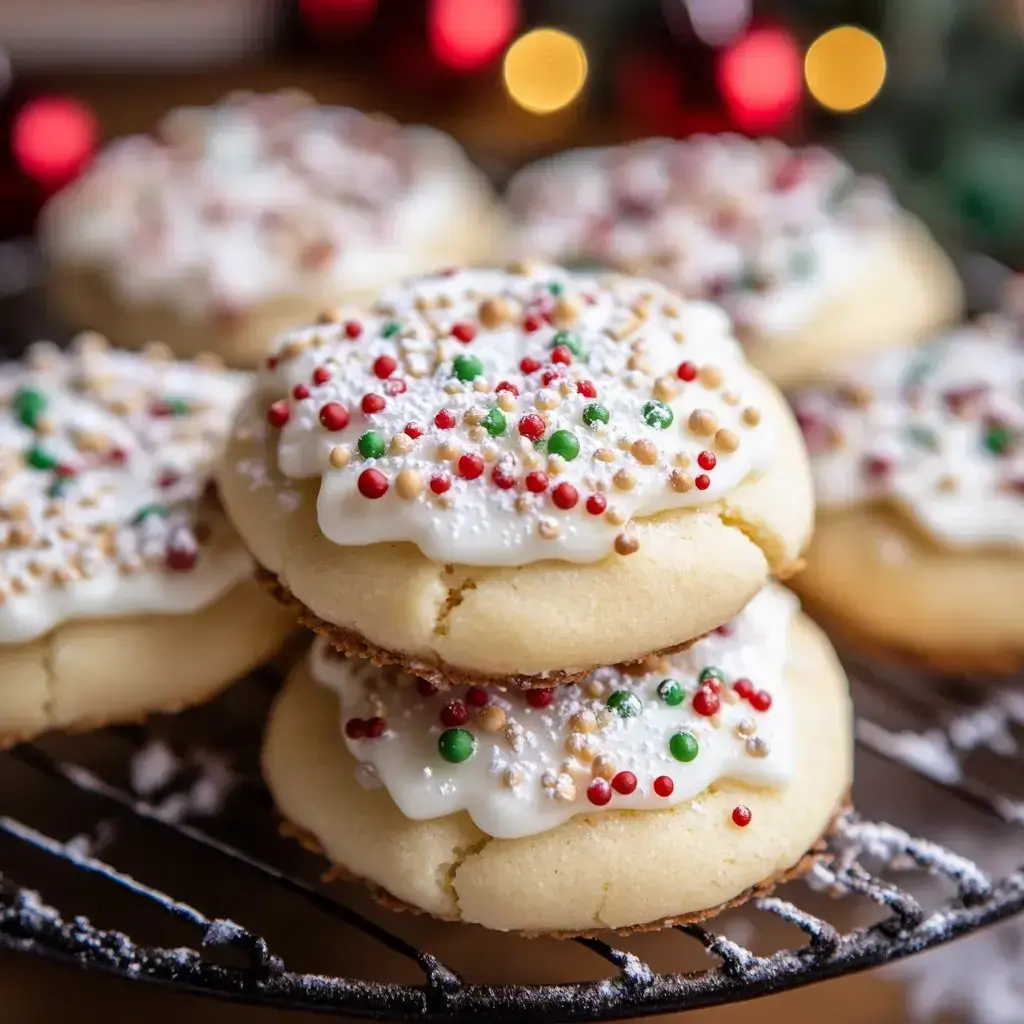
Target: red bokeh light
337 15
466 35
761 79
52 138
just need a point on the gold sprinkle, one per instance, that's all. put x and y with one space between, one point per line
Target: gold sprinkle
452 388
449 449
665 389
615 517
638 346
512 777
292 349
638 364
521 267
90 342
856 396
445 500
340 456
679 336
603 767
604 455
626 544
493 312
645 452
61 577
681 459
556 465
490 452
533 460
751 416
523 504
400 444
746 727
947 484
710 377
158 352
546 399
548 529
758 747
329 316
566 312
480 386
576 745
624 480
566 388
444 301
729 397
671 311
477 434
565 790
409 484
471 417
491 718
625 444
702 422
680 481
595 688
726 440
583 721
506 401
19 537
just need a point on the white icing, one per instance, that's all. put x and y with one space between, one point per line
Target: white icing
424 785
752 224
620 323
259 197
910 427
80 553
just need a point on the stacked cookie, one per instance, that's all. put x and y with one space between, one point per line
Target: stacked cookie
240 219
123 589
815 264
535 519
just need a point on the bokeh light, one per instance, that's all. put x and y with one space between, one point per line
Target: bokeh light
761 79
545 70
52 138
468 34
845 68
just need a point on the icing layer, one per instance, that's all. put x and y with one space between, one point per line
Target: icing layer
768 232
106 459
500 418
938 431
257 197
519 764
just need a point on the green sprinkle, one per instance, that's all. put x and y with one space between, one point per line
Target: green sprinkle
371 445
998 439
494 422
657 414
684 746
38 458
671 692
456 745
29 404
923 437
625 704
177 406
570 340
150 510
564 443
390 329
711 674
555 288
595 413
467 368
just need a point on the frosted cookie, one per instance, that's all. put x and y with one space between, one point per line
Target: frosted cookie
241 219
919 464
815 264
628 800
123 589
518 475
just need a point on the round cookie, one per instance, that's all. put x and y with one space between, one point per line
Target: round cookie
244 218
917 457
123 588
518 475
615 803
815 264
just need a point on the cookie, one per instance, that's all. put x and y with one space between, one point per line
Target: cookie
918 459
627 800
518 475
815 264
247 217
123 588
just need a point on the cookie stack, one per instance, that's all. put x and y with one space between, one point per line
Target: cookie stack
535 519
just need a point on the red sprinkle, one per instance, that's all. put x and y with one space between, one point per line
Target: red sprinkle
476 696
507 385
181 559
375 727
453 714
686 370
299 392
532 426
565 496
549 377
707 460
168 478
539 698
596 504
353 328
470 466
624 783
440 484
445 419
761 700
355 728
561 354
372 403
741 816
503 477
117 456
425 688
663 785
706 702
877 465
384 366
586 388
464 332
743 688
395 386
537 483
272 362
321 375
413 430
279 414
702 482
528 365
599 792
372 483
532 323
334 416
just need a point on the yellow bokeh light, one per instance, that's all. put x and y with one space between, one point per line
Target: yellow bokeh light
845 68
545 70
